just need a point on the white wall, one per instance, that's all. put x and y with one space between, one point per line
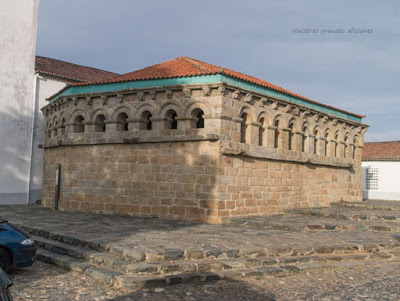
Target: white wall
18 24
388 180
45 87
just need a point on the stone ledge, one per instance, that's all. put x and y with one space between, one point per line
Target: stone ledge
260 152
135 139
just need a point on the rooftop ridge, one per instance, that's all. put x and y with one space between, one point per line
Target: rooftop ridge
184 66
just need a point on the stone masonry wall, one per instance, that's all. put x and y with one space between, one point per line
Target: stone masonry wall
173 180
197 152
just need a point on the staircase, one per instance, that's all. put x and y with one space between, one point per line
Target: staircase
133 269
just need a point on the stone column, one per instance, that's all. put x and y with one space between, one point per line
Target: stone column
90 126
69 127
186 122
321 146
134 124
158 123
297 141
111 126
284 138
271 136
238 132
340 150
254 133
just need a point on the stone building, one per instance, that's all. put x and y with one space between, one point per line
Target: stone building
189 140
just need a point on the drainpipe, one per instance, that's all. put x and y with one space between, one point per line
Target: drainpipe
35 101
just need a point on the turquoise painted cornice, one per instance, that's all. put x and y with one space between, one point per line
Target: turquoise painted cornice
203 79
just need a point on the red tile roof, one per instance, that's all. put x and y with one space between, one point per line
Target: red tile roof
184 66
71 72
381 151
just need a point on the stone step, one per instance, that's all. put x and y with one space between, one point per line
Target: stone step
371 205
291 222
140 276
124 266
350 214
136 261
63 248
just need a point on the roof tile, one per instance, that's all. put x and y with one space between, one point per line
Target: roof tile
71 72
381 151
186 67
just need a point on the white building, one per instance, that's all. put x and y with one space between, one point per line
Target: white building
18 23
381 171
51 76
22 93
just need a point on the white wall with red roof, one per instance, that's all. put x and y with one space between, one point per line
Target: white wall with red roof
385 182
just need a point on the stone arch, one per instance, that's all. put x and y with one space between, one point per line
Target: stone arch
248 110
175 106
265 115
245 115
305 139
264 122
76 113
170 119
119 110
78 124
145 107
327 142
278 124
293 127
316 134
346 140
145 122
55 128
62 124
49 128
96 112
198 105
356 145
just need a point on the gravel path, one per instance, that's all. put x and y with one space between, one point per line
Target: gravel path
372 281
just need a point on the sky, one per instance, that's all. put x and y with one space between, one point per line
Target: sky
338 52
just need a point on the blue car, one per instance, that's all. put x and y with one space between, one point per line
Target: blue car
16 248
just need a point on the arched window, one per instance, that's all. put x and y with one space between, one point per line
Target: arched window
56 129
79 127
326 144
261 131
62 126
145 122
354 147
276 136
197 119
200 120
290 136
315 141
336 146
49 131
243 128
304 140
170 120
100 125
346 147
122 123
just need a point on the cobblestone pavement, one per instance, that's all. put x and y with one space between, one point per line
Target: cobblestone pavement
372 281
155 234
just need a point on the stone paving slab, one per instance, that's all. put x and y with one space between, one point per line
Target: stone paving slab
372 204
346 213
311 223
152 235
